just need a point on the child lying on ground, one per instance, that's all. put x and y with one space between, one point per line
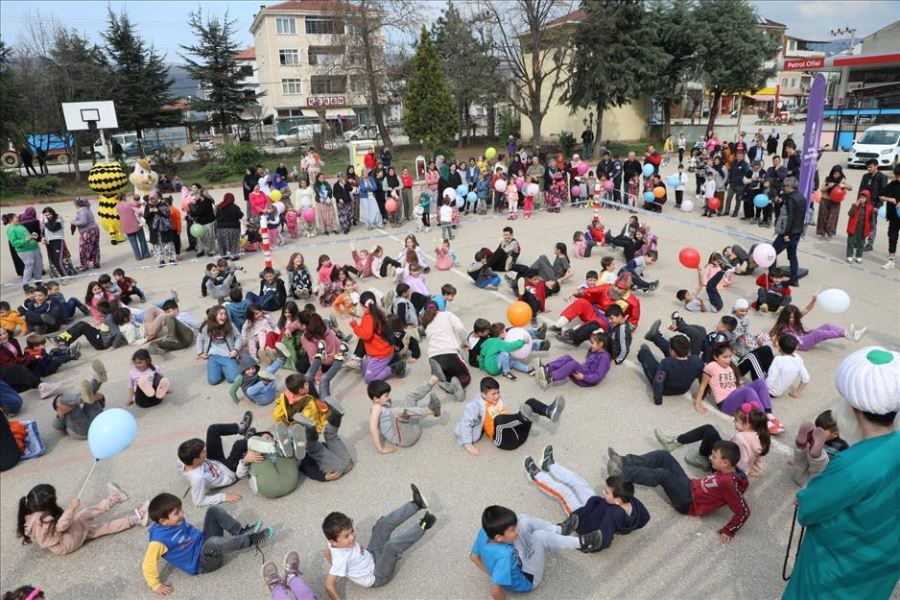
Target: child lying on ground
399 425
205 465
590 373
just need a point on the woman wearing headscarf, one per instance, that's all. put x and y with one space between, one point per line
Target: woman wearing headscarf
228 227
58 255
325 210
88 235
833 190
159 219
353 182
368 207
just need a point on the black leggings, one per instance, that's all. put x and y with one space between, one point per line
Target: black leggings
214 449
757 362
583 333
145 401
707 435
419 301
893 230
91 334
388 262
453 366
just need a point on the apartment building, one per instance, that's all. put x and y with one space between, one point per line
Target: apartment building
308 64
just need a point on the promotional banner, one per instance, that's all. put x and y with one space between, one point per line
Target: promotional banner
812 135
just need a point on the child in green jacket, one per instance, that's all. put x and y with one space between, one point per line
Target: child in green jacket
495 357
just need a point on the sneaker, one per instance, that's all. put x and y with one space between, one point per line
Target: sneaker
543 375
676 316
520 286
283 349
775 426
353 363
115 495
63 340
141 515
387 301
459 392
270 576
250 528
668 441
698 460
320 351
509 263
526 412
654 329
591 542
437 371
283 441
84 309
298 440
889 264
541 332
509 376
291 565
652 287
544 346
342 351
434 405
428 520
46 389
399 368
332 402
87 392
75 350
417 498
554 411
547 458
802 439
859 259
858 333
556 329
300 419
568 526
246 422
849 259
817 442
614 466
531 468
261 537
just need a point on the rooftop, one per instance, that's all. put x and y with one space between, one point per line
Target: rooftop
246 54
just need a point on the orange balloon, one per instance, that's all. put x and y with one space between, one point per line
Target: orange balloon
659 191
518 314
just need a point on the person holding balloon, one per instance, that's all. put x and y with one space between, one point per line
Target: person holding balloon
789 322
834 189
203 211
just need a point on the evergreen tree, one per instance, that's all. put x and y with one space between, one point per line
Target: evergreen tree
615 60
141 83
430 110
10 97
217 71
673 25
732 49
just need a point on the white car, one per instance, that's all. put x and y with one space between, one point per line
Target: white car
363 132
881 142
296 135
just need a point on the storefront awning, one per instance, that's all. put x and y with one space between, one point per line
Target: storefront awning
339 113
760 98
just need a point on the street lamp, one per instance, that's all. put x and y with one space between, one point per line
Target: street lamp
846 31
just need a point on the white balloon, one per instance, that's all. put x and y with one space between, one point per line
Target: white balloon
449 193
533 189
833 300
519 333
500 186
687 206
764 255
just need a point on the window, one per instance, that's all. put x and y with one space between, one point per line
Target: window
325 55
323 26
290 86
793 82
784 82
285 26
358 84
289 57
245 71
328 85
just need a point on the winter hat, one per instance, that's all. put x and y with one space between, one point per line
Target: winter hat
741 304
869 380
247 362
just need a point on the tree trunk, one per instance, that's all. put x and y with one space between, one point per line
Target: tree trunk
713 109
598 133
374 101
667 118
491 120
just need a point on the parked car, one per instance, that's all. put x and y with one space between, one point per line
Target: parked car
204 143
362 132
296 135
881 142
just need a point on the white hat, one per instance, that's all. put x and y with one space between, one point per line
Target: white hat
869 380
741 304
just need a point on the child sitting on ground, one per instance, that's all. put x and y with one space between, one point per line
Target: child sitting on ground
60 531
399 425
146 384
481 331
580 246
345 303
75 411
636 267
187 548
587 374
445 258
127 287
815 445
678 369
482 274
695 497
217 282
373 566
36 357
773 291
694 303
272 294
487 414
447 295
207 468
608 274
496 549
300 285
362 260
495 357
256 384
617 511
68 305
11 320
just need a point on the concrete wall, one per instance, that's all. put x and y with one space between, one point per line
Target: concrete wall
625 123
883 41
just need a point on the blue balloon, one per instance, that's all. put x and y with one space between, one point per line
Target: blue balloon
111 432
648 170
462 190
760 201
649 197
460 200
882 211
898 211
471 197
673 180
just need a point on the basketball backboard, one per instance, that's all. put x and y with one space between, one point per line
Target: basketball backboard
84 116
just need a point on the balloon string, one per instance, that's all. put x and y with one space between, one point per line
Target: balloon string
91 472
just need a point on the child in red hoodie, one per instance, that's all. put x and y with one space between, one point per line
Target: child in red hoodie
695 497
859 226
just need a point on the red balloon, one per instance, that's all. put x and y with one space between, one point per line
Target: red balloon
714 203
390 205
690 257
837 193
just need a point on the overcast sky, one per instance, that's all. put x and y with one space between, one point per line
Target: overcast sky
164 23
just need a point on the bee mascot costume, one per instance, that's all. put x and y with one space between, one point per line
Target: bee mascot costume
107 180
143 178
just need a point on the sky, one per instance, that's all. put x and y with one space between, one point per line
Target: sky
164 23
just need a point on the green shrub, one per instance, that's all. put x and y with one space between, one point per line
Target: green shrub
10 181
242 156
442 150
566 143
42 186
510 123
217 172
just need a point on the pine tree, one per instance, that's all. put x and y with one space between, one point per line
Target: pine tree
673 26
141 83
430 110
217 71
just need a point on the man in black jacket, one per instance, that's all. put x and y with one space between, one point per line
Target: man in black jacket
874 181
788 239
740 169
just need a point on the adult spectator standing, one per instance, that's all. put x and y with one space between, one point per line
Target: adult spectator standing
772 142
739 170
228 227
132 228
204 213
891 197
248 184
681 145
792 162
27 159
775 176
874 181
631 166
587 142
282 170
654 158
41 155
788 236
535 174
26 247
788 143
117 151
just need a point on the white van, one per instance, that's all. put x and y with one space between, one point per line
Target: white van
881 142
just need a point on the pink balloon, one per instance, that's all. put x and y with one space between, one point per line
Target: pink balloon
582 168
309 214
500 185
533 189
764 255
608 184
576 191
514 334
390 205
520 182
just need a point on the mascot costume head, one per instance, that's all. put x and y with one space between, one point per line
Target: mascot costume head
143 178
868 381
107 180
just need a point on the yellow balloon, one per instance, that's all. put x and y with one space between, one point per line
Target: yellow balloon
490 153
275 195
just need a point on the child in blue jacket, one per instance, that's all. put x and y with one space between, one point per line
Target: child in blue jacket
586 374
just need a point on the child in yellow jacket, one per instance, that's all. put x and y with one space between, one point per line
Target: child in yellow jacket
11 319
296 400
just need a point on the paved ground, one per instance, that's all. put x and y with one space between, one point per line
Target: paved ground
673 557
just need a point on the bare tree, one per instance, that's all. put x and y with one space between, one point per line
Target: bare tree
536 54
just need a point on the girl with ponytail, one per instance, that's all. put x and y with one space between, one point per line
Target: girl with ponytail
373 331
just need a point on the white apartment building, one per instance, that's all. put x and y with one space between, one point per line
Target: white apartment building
307 65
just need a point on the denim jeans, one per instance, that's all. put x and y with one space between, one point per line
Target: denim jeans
494 281
219 368
262 392
507 362
138 243
324 387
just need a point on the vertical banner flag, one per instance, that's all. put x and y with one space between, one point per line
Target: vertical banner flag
811 136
